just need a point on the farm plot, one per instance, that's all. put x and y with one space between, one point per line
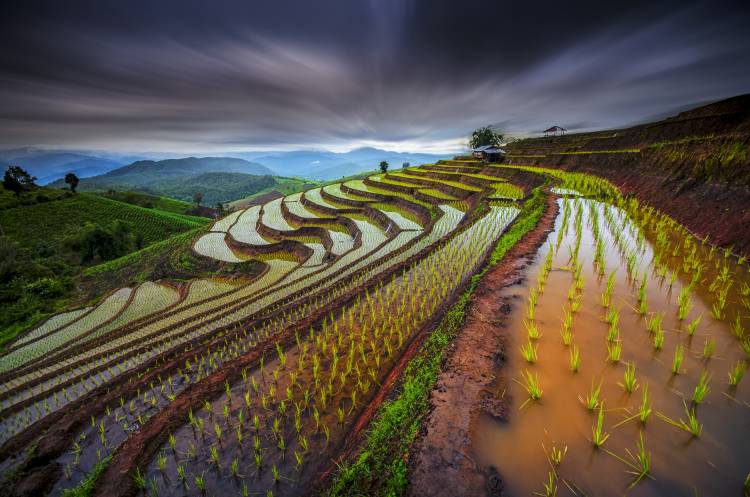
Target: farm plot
266 428
244 230
105 311
206 288
214 245
218 322
315 197
336 191
625 362
274 218
55 322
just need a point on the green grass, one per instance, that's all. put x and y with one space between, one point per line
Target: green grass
49 222
86 487
380 468
148 201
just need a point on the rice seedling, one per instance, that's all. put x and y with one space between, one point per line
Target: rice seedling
550 486
567 330
659 339
677 360
556 455
684 303
691 425
575 304
702 388
531 307
532 330
654 323
138 479
531 385
592 398
575 358
629 383
709 347
736 373
200 482
645 409
613 334
641 462
694 325
529 352
738 331
614 351
598 435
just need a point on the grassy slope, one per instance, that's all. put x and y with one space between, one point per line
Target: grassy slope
216 187
165 204
49 222
38 229
380 468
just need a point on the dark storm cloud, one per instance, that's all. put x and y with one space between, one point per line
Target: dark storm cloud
204 75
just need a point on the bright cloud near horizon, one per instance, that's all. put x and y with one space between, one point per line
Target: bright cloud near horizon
405 75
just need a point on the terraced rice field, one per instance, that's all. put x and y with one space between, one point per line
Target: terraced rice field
262 386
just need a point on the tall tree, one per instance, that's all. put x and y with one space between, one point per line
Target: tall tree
72 180
383 166
485 136
405 165
198 198
16 179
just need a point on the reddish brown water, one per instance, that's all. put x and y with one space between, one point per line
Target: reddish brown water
714 464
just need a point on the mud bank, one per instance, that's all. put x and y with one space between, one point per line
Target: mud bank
440 463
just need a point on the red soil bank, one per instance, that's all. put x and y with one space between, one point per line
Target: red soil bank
440 463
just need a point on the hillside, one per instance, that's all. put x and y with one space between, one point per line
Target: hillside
151 201
49 236
146 173
694 166
216 187
49 222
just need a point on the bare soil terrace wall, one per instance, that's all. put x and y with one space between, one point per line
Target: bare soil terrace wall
694 166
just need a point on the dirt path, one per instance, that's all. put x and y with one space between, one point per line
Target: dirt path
441 463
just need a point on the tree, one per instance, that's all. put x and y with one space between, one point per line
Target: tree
94 241
198 198
485 136
72 180
383 166
17 180
405 165
220 208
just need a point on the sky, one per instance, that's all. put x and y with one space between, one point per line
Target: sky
408 75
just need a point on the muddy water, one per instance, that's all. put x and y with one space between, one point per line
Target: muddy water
714 464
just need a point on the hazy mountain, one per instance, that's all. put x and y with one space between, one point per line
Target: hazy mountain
325 165
147 173
49 165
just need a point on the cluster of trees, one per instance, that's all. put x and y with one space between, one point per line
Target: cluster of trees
96 242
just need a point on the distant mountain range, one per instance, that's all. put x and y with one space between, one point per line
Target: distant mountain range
106 169
325 165
51 165
220 179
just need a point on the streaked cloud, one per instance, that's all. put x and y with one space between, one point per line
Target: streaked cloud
199 77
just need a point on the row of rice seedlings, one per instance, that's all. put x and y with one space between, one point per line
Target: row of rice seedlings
456 260
132 337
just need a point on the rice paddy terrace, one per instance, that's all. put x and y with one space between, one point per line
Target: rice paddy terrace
627 357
